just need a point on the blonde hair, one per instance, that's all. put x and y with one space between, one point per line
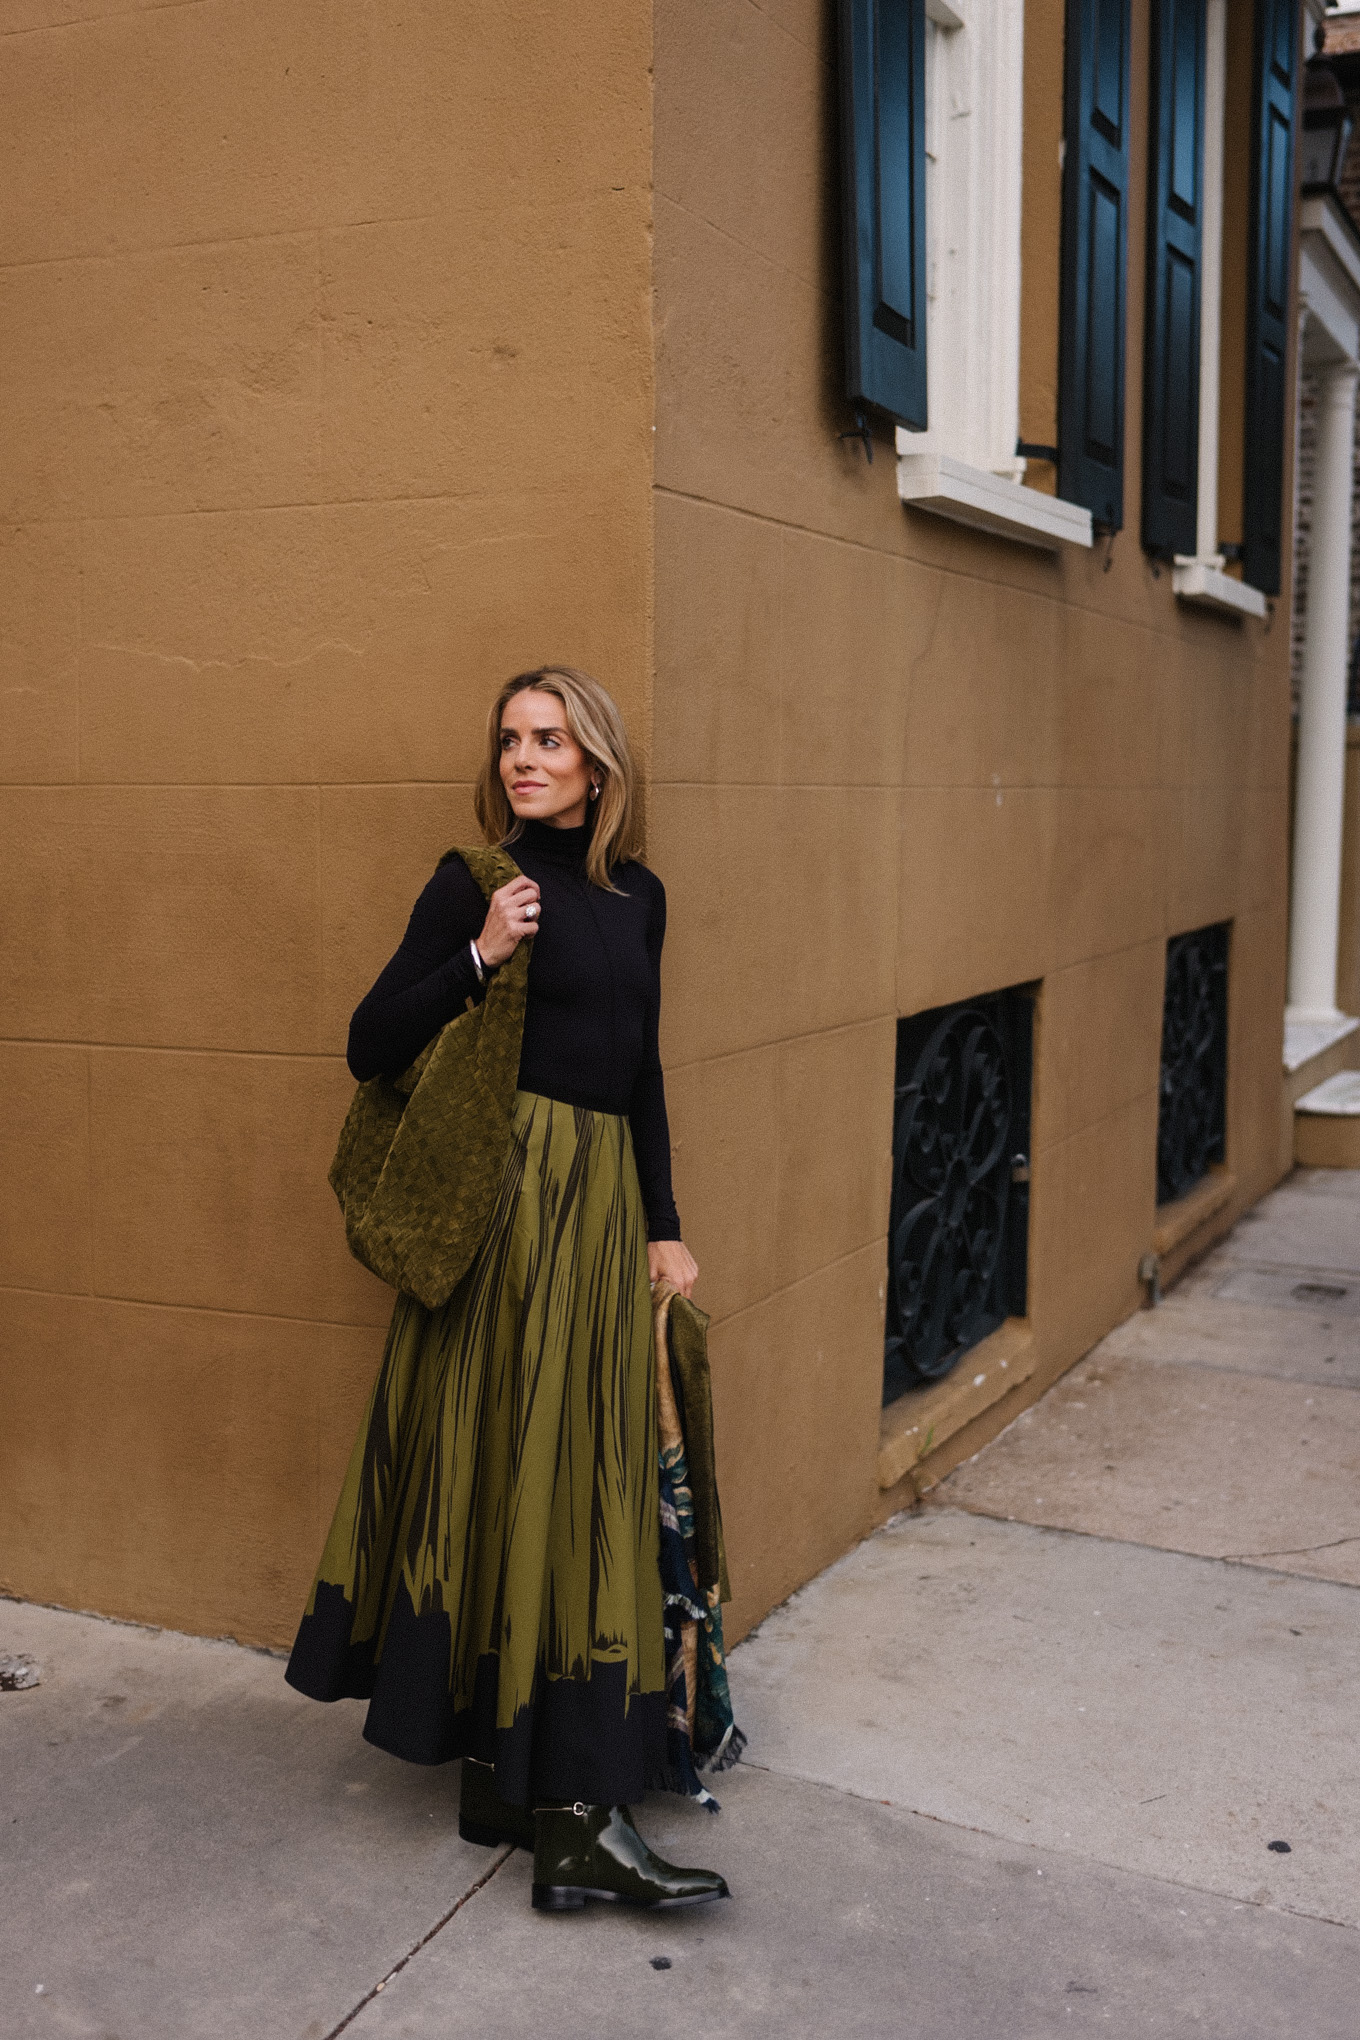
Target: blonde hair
596 725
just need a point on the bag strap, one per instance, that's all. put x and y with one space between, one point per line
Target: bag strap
500 1036
490 865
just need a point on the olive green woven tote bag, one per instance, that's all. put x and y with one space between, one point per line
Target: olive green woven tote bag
420 1157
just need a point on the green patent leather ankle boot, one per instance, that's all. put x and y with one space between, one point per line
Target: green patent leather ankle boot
483 1816
583 1852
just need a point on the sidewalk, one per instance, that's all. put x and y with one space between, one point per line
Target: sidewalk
1015 1763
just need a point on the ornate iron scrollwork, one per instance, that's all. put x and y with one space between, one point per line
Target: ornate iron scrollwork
960 1171
1192 1101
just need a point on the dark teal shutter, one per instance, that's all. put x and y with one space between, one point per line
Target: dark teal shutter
1094 238
1272 205
1171 333
883 65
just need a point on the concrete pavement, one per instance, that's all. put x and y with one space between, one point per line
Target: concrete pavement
1015 1763
1226 1422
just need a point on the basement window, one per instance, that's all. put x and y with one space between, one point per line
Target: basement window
958 1233
1192 1108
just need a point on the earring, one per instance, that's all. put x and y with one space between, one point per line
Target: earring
594 789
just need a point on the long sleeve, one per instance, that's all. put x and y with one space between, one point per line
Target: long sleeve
593 1003
427 983
647 1107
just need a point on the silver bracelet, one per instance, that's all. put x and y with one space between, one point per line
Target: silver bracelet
477 963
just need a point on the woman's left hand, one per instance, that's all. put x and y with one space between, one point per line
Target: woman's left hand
673 1260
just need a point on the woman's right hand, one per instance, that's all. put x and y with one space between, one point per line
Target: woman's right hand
512 913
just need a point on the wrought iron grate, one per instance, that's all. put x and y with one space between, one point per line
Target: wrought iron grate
1192 1102
959 1227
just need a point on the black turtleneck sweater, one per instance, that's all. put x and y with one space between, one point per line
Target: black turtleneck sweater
594 993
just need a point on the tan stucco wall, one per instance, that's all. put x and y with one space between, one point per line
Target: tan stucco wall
898 763
326 400
328 387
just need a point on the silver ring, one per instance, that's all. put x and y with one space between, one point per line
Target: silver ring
531 913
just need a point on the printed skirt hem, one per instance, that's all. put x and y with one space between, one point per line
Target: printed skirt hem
578 1738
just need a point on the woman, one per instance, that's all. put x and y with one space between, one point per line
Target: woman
490 1582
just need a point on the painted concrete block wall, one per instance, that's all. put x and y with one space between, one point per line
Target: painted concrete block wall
329 392
326 400
897 763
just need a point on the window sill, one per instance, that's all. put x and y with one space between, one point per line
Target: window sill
951 488
1201 582
1185 1215
920 1421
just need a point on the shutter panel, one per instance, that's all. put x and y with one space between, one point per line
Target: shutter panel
1272 205
1094 238
883 62
1171 333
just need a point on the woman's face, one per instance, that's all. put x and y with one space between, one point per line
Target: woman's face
545 772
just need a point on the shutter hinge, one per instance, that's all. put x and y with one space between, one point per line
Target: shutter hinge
862 433
1102 528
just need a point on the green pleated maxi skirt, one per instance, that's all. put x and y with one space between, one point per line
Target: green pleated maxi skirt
490 1583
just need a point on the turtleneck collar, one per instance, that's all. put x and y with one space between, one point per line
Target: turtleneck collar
558 846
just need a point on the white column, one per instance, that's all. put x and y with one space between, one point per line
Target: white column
1320 786
1211 276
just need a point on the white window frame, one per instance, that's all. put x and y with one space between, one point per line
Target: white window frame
1199 577
965 465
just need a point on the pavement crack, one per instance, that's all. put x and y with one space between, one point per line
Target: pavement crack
968 1507
425 1939
1295 1550
1056 1851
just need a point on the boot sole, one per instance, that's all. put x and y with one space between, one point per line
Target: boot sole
571 1898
